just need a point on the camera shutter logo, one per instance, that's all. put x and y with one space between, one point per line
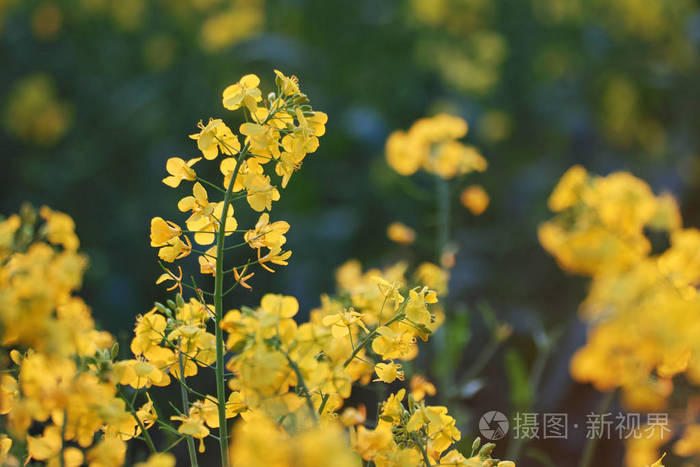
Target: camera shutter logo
493 425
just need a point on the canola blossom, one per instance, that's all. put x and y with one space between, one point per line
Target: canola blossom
643 306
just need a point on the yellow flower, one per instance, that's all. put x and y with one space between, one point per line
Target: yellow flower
394 344
431 144
193 426
175 249
433 276
244 93
280 305
689 444
60 228
278 257
340 322
163 231
8 227
353 416
569 190
241 277
161 459
5 446
266 234
148 332
139 374
262 139
400 233
109 452
420 387
170 276
439 427
216 136
288 85
166 235
180 170
207 261
392 408
206 222
369 443
317 123
260 193
405 153
46 446
475 199
320 446
388 372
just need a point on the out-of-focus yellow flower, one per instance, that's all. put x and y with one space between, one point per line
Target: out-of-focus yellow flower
159 51
689 443
400 233
109 452
495 126
420 387
642 306
431 144
5 446
475 199
242 20
161 459
433 276
34 113
353 416
60 228
316 447
47 21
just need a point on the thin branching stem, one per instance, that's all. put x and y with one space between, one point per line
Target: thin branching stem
186 406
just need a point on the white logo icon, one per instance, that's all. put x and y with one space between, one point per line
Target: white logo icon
493 425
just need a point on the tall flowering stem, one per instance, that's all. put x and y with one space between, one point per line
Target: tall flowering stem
219 313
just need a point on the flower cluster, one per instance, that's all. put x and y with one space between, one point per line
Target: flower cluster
643 302
287 378
58 394
432 144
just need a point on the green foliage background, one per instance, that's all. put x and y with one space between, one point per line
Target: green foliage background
544 84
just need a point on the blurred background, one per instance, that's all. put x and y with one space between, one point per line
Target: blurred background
96 95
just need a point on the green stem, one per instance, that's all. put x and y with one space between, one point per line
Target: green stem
482 359
424 453
592 442
219 314
302 385
536 373
324 400
207 182
186 407
144 431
